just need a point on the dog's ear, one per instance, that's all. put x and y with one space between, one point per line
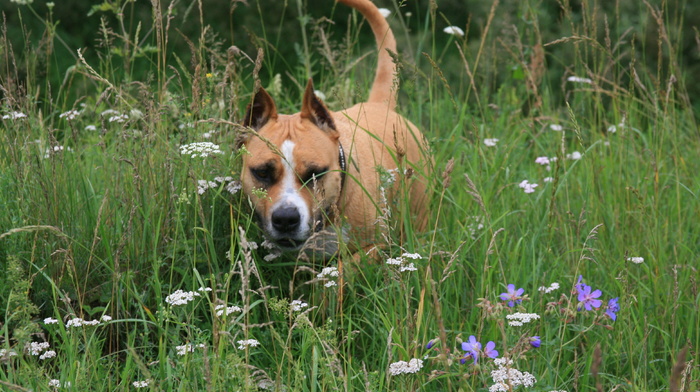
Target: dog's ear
313 109
260 111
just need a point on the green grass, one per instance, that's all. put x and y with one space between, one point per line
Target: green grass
113 224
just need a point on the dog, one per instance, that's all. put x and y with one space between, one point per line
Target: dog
316 174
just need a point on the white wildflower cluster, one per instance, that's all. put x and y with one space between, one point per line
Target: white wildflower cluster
50 320
105 318
542 161
453 30
574 156
200 149
223 310
57 384
548 179
185 125
490 142
187 348
90 128
114 116
527 187
578 79
403 263
7 354
243 344
518 319
180 297
403 367
552 287
506 376
329 274
556 127
36 348
636 260
14 116
613 128
231 185
298 306
69 115
79 322
55 150
141 384
476 223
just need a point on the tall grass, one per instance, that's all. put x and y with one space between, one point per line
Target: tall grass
105 218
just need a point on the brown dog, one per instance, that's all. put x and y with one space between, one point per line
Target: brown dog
306 172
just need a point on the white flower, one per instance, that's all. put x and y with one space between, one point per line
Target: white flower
403 367
396 261
35 348
14 116
105 318
328 271
330 283
453 30
542 160
414 256
187 348
180 297
548 179
69 115
48 354
119 118
527 187
223 310
577 79
204 289
409 267
55 150
50 320
141 384
55 383
612 129
385 13
556 127
636 260
574 155
318 93
243 344
75 322
552 287
5 354
233 187
201 149
518 319
90 128
298 305
508 375
490 142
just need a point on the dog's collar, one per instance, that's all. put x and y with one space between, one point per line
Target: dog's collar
343 165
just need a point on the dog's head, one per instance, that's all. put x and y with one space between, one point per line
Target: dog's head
293 172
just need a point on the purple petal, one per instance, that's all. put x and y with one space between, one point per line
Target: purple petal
596 294
520 292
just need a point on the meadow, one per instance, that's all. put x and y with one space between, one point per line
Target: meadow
563 247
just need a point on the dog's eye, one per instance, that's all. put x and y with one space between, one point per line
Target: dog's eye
262 174
313 173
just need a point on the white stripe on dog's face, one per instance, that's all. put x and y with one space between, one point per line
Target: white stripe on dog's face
290 196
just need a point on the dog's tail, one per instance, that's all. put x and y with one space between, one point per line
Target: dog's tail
382 89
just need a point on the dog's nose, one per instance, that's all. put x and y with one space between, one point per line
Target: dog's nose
286 219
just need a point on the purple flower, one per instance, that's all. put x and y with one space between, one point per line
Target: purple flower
588 298
490 350
513 296
535 341
432 343
613 308
472 347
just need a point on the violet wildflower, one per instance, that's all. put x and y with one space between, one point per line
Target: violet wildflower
535 341
472 348
490 350
613 308
513 296
588 298
432 343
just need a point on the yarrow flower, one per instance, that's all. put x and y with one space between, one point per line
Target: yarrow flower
187 348
490 142
36 348
200 149
578 79
6 354
55 150
180 297
243 344
14 116
527 187
69 115
453 30
403 367
48 354
50 320
636 260
518 319
223 310
552 287
141 384
613 308
542 161
574 156
57 384
513 296
403 264
556 127
298 306
506 376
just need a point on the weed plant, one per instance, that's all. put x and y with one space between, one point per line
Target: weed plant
563 247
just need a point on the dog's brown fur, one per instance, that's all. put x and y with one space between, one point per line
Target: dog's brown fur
297 159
